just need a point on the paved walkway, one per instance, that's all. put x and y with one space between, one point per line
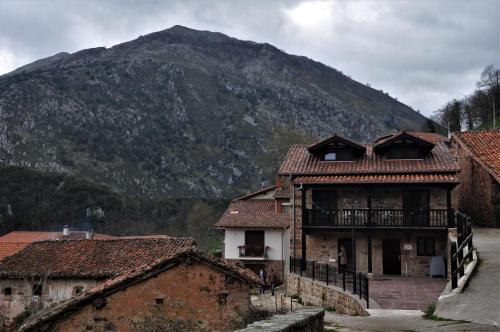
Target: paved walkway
406 293
480 300
397 320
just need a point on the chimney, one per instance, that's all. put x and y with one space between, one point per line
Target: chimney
89 235
278 181
65 230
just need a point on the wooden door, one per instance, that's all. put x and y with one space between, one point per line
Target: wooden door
416 207
254 243
391 257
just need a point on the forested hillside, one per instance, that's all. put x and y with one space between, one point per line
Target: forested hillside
31 200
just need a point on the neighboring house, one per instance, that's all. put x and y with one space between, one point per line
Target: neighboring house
13 242
383 208
186 292
256 230
478 153
47 272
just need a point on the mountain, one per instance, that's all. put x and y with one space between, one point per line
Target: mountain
182 113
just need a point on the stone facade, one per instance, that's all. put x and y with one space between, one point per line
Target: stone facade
317 293
477 185
323 245
191 296
17 294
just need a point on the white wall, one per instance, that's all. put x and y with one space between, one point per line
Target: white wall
276 239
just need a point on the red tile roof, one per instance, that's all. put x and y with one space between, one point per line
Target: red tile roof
429 137
90 258
106 288
258 192
484 147
300 162
285 188
379 178
13 242
253 213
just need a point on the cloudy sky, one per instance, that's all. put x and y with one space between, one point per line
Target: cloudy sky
422 52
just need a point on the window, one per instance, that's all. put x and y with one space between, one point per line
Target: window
254 243
7 291
286 208
37 290
77 290
332 156
425 246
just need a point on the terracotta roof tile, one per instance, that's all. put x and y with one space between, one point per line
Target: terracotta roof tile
258 192
10 248
379 178
285 189
484 147
257 213
300 162
90 258
29 236
111 286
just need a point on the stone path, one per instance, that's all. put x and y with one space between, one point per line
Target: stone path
480 300
406 293
397 320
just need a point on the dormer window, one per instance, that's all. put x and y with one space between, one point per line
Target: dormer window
332 156
337 148
403 146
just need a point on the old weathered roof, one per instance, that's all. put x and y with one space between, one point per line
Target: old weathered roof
300 162
335 137
257 193
89 258
379 178
484 147
253 213
119 283
13 242
284 190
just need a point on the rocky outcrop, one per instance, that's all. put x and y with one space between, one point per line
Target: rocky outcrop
182 112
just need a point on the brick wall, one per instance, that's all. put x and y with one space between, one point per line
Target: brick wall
187 297
478 193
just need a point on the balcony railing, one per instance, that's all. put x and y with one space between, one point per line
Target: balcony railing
376 218
254 251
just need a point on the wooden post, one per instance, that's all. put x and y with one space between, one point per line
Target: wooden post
303 203
327 266
313 270
369 252
453 251
449 210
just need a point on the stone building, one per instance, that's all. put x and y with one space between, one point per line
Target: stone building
382 208
187 292
48 272
478 154
256 230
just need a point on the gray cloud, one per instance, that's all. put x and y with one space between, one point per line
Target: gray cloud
422 52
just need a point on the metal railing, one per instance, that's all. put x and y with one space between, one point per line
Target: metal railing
376 218
462 250
253 251
348 280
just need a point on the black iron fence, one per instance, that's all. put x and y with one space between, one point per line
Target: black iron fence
348 280
462 250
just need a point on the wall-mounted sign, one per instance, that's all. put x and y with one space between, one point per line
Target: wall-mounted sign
407 246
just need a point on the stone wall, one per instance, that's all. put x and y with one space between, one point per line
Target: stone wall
53 291
323 247
478 192
301 320
188 297
276 266
317 293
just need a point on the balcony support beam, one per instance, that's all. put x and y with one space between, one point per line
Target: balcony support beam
303 205
369 252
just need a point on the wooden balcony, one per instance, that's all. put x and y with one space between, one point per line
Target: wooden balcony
375 218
